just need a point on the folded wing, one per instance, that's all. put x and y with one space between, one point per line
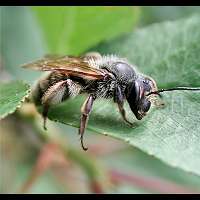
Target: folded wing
69 65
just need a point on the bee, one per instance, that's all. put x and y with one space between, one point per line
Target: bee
98 76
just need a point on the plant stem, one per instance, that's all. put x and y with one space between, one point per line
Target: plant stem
151 184
93 170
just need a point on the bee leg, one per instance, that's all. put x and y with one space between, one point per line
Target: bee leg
44 115
123 114
85 111
119 99
53 95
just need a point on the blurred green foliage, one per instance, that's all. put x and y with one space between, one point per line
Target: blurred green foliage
20 41
152 14
72 30
29 33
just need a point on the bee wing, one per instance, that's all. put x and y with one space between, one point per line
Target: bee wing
69 65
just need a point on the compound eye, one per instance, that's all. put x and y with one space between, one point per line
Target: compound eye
146 85
146 105
146 81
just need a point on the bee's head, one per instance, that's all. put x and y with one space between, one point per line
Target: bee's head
136 95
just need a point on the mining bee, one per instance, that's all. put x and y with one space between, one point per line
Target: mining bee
97 76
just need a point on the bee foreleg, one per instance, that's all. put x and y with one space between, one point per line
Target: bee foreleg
85 111
123 113
119 99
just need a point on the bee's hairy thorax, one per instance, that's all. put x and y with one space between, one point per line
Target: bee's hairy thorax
120 76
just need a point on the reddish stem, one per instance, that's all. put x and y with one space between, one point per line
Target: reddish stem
96 187
148 183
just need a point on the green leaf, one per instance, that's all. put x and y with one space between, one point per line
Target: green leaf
72 30
152 14
12 95
20 41
170 53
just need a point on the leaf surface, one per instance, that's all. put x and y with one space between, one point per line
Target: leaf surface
12 95
170 53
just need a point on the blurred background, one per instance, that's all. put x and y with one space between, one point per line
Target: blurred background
34 162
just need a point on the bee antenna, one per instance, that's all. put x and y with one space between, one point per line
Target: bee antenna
172 89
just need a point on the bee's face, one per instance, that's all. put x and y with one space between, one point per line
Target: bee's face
136 95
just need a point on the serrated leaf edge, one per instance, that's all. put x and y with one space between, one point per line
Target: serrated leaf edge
20 102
